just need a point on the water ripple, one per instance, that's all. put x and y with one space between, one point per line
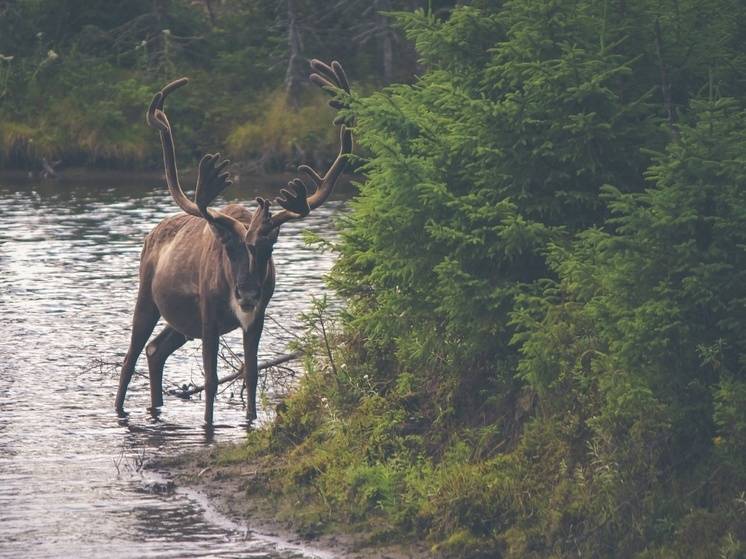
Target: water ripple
71 482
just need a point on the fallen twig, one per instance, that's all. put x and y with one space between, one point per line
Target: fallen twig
185 392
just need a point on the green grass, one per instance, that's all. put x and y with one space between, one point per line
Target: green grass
345 455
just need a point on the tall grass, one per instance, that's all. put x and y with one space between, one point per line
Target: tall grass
106 127
281 135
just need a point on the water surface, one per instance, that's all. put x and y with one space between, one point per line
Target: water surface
71 477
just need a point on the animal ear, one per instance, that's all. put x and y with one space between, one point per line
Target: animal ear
225 233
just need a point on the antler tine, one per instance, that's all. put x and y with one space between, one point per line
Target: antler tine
295 200
210 181
322 81
150 116
311 172
326 183
176 84
155 116
157 119
323 69
341 76
258 217
332 77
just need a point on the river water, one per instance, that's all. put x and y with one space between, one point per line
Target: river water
71 477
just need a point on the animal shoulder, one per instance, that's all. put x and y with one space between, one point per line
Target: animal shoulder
238 211
167 229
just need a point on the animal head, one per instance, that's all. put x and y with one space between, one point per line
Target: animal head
249 247
249 256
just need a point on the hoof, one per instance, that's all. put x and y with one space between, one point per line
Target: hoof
209 433
155 412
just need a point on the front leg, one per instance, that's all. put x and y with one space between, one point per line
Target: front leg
210 338
251 372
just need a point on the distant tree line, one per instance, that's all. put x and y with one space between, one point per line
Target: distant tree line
76 75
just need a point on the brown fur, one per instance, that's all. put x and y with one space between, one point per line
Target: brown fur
185 277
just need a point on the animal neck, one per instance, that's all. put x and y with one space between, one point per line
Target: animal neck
258 265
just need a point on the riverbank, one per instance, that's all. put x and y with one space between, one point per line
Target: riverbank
248 182
82 175
239 490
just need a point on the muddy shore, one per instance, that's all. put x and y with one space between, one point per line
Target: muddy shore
234 490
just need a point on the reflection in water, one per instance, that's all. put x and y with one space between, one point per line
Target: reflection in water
71 482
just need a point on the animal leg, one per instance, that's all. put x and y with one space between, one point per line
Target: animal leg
145 317
158 350
251 371
210 365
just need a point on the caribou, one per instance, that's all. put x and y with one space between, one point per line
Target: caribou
206 271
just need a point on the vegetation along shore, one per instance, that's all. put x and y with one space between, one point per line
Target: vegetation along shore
541 350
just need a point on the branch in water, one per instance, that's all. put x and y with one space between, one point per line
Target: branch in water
185 393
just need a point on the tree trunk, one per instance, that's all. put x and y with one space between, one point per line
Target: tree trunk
210 12
159 51
294 74
160 9
386 39
665 84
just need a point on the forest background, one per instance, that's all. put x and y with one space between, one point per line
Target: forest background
553 363
75 76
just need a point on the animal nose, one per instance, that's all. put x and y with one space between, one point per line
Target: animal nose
247 298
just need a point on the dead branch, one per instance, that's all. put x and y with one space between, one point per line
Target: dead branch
665 83
185 393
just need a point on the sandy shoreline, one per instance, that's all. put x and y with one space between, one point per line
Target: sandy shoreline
226 489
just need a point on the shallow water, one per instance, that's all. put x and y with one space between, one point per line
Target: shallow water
71 476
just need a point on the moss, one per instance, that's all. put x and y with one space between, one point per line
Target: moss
461 544
234 454
342 456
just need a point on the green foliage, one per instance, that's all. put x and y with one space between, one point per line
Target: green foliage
641 330
541 352
498 151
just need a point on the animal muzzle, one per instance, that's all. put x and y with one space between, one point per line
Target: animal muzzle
247 299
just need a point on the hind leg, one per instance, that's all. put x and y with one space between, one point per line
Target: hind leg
145 317
163 345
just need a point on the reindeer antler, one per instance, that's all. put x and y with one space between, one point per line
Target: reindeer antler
210 181
294 199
